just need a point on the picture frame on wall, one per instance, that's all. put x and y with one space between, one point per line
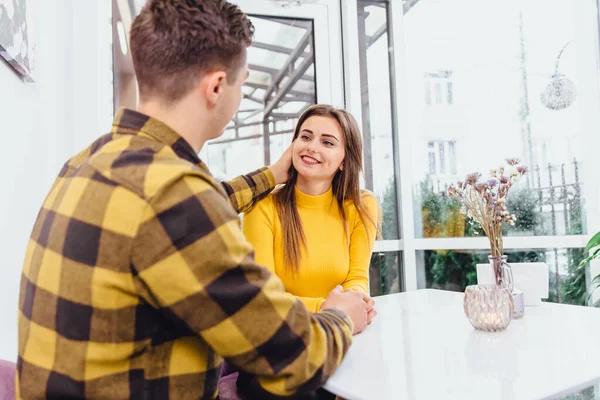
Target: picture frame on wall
17 38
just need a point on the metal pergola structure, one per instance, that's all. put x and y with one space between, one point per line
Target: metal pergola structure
285 93
266 100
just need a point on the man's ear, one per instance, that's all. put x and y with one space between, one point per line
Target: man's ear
213 85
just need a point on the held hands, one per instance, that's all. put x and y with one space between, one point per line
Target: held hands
356 305
280 167
371 312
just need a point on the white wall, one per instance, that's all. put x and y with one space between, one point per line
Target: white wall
43 123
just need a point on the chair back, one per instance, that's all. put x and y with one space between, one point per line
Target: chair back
531 278
7 380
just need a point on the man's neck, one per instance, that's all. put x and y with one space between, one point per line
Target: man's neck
186 123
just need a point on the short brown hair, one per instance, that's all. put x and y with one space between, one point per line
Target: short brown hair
173 42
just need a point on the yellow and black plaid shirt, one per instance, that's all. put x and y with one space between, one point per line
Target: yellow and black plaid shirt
138 281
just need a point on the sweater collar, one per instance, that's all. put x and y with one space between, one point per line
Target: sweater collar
320 201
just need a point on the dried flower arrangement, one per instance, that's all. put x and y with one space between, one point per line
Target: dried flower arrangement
484 201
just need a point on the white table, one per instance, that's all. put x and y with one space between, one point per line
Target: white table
421 346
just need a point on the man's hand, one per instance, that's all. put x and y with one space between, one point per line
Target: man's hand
281 167
351 303
371 312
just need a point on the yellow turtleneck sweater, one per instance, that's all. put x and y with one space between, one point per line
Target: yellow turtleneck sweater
331 260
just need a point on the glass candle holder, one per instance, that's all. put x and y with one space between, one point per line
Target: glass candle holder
488 307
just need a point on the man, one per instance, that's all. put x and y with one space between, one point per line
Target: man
137 280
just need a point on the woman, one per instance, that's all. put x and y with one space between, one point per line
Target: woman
317 231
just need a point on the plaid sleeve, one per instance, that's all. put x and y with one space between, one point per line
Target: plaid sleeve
193 262
246 190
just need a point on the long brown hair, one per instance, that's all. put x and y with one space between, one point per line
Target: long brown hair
345 185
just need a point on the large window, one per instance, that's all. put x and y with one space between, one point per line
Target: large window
518 80
498 109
